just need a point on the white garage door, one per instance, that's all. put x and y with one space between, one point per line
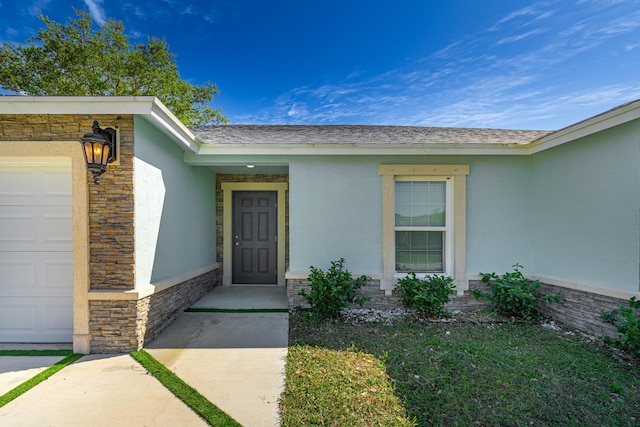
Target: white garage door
36 269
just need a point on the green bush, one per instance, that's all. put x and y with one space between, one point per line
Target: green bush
428 295
513 294
332 291
627 321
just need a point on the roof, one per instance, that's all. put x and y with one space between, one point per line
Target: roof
359 135
205 141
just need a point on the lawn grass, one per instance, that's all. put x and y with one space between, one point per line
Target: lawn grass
339 387
37 379
190 396
456 374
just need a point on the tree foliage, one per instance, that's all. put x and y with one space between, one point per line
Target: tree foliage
78 60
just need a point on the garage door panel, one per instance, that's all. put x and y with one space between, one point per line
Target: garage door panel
35 228
36 274
58 273
36 250
35 182
58 317
12 309
16 272
36 320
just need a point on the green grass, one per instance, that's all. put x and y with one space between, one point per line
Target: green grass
37 379
339 387
190 396
456 374
237 310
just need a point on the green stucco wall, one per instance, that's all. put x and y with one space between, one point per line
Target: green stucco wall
336 211
586 201
175 209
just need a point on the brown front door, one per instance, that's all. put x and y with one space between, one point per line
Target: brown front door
254 238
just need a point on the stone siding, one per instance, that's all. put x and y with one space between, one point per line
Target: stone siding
125 326
158 311
581 310
378 300
467 302
113 326
372 290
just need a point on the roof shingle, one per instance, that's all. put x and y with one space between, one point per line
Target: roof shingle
359 135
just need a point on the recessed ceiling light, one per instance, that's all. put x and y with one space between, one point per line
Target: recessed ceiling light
251 166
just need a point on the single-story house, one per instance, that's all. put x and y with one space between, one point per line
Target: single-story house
181 210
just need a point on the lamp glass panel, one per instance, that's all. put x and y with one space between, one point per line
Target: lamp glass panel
88 152
105 154
97 153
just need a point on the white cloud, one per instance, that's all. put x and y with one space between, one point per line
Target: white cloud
36 7
96 11
518 37
527 11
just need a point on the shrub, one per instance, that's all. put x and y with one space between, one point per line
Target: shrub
332 291
428 295
627 321
513 294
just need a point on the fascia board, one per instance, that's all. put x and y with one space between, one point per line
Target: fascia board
169 124
587 127
76 104
435 149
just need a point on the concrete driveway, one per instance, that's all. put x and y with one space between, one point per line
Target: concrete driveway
235 360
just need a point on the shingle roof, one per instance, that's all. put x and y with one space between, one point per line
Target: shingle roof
359 135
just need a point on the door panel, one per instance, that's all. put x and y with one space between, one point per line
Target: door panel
254 237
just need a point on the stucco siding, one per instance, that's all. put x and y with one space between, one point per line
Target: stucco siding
499 218
336 211
175 209
586 199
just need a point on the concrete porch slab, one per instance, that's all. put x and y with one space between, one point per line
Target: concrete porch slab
245 297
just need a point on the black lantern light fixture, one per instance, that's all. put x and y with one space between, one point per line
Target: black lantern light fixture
99 149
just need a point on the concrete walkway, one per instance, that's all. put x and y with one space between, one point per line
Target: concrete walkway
236 360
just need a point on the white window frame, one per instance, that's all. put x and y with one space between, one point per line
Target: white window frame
455 250
448 228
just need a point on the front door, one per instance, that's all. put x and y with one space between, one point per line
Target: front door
254 238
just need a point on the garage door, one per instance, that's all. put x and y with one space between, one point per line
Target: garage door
36 269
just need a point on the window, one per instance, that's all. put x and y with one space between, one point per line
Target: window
421 225
423 221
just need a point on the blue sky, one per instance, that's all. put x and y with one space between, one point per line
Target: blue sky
466 63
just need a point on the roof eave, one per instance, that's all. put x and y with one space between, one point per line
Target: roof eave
362 149
614 117
148 107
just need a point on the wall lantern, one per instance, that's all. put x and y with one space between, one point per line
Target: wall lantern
99 149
